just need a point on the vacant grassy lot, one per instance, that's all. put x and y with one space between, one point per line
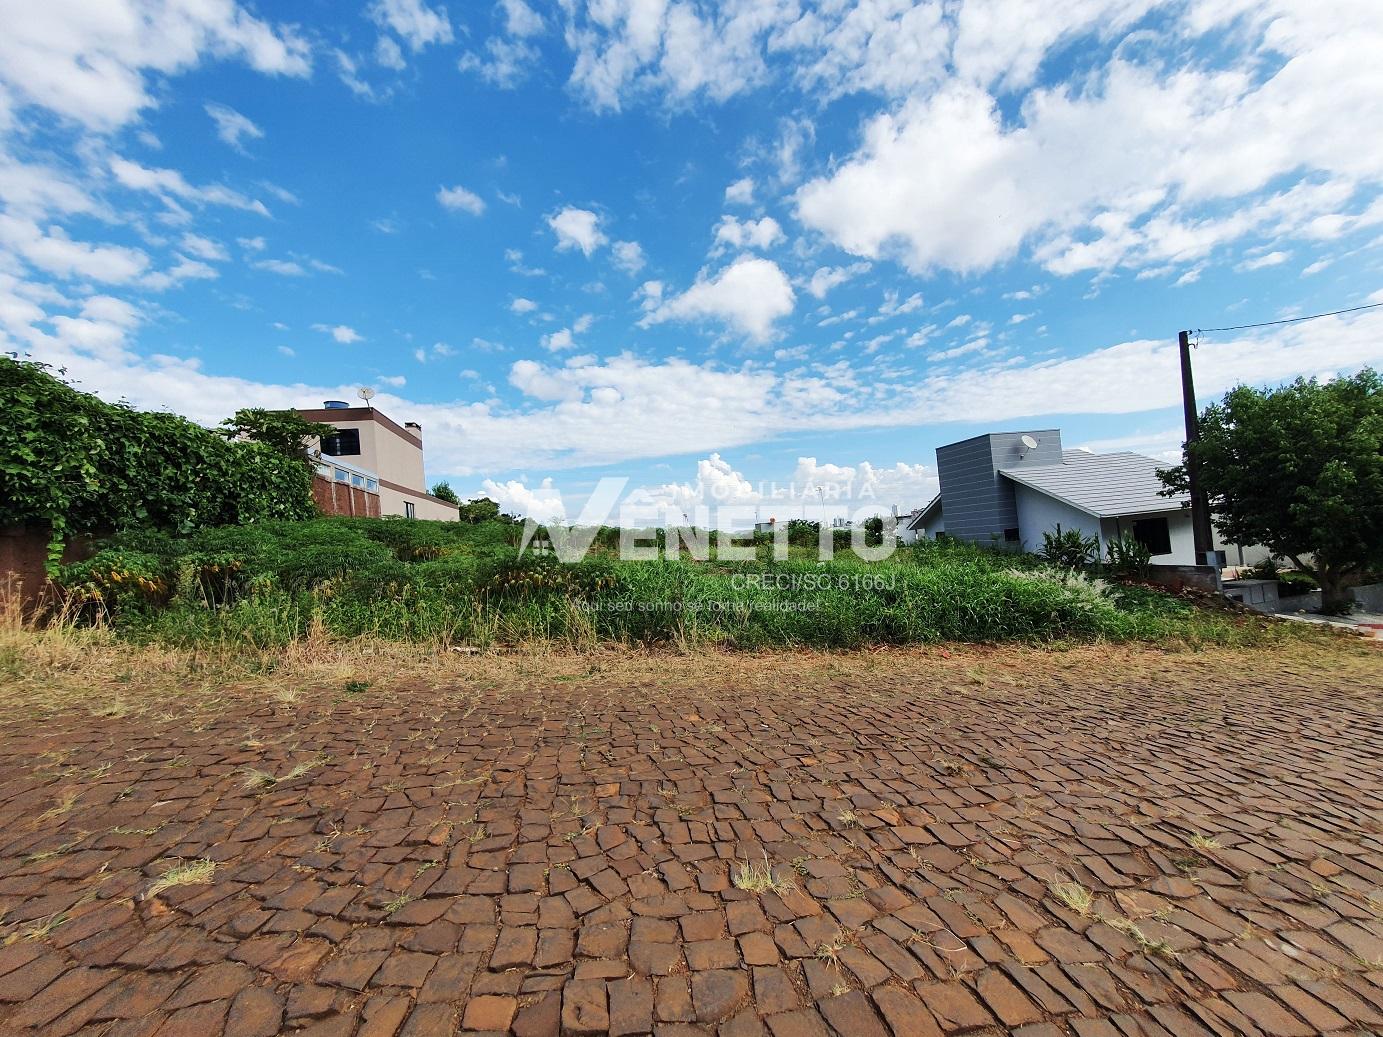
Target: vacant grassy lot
1106 840
266 586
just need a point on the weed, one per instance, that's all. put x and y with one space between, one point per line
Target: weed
757 877
1073 895
193 873
1204 843
398 903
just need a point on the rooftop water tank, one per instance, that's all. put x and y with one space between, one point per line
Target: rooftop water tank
335 404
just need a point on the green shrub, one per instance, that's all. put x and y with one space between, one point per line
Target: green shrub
1068 549
1128 558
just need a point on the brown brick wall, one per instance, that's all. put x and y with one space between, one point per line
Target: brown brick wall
335 498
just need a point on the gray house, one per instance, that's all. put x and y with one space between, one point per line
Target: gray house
1011 487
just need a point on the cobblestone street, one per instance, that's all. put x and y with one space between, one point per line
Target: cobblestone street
927 846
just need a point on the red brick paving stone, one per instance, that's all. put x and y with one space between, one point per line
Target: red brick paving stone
1267 1014
631 1006
954 1007
430 1021
904 1013
134 995
852 1014
585 1008
382 1015
539 1018
672 1002
744 1024
489 1012
404 969
717 993
758 949
196 1021
802 1023
514 948
1006 1000
1320 1015
27 980
774 992
602 940
70 989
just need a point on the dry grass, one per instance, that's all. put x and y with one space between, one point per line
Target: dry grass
1073 895
191 873
61 666
757 877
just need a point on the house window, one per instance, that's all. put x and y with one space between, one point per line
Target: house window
342 475
1153 534
1011 535
410 510
357 480
372 485
344 442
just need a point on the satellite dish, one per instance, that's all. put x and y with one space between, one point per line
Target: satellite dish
1029 443
366 394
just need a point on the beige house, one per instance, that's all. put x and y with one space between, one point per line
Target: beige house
372 451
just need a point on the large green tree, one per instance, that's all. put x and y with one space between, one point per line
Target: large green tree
285 431
1299 469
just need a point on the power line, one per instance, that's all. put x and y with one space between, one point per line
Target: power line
1290 320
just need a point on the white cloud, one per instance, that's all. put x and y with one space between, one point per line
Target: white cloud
1129 165
541 503
522 305
282 267
1275 258
502 63
417 24
459 199
204 248
587 412
577 228
389 54
396 381
169 184
88 60
628 256
741 192
827 277
255 244
559 340
231 126
520 19
52 251
731 233
748 295
183 270
340 332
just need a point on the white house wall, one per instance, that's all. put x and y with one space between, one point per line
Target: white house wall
1038 514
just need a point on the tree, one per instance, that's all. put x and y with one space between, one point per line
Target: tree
285 431
482 509
1298 469
443 491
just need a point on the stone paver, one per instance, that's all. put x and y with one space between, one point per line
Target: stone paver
1084 850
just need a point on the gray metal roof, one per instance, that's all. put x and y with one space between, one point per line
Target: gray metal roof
1103 485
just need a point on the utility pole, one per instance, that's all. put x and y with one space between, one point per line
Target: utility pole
1201 535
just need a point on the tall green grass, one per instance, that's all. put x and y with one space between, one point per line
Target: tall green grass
447 583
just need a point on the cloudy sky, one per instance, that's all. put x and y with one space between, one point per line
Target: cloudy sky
692 243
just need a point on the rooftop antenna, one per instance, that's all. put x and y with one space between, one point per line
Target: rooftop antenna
1028 444
366 394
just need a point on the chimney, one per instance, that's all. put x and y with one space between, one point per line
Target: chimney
414 428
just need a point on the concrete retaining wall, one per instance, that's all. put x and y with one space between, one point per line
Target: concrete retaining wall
1180 577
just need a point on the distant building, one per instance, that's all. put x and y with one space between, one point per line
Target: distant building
1012 487
375 455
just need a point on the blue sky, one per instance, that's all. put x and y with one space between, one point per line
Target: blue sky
697 245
